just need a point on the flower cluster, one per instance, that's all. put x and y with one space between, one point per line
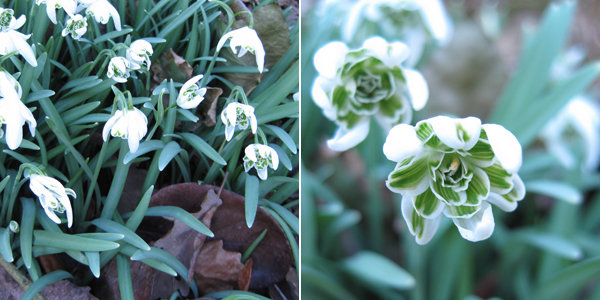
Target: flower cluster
76 24
137 55
247 40
12 40
240 116
260 157
354 85
457 167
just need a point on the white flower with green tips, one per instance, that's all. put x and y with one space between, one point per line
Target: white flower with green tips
101 11
139 53
76 27
12 40
260 157
118 69
455 167
240 116
191 95
53 197
69 6
130 124
13 112
247 39
371 81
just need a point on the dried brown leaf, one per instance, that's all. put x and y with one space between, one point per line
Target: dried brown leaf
218 269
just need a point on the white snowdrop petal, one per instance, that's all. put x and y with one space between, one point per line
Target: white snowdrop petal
346 139
505 145
478 227
401 143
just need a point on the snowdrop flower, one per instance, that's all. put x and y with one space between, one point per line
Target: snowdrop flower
260 157
457 167
13 226
416 22
240 116
13 112
69 7
118 69
248 41
191 94
76 27
354 85
101 11
12 40
130 124
139 53
53 197
582 118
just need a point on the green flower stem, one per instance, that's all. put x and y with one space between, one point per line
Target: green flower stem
206 48
88 197
117 185
42 145
250 17
230 21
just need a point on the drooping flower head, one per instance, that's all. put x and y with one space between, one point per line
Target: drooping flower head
76 27
53 197
101 11
355 85
139 53
415 22
577 125
69 6
118 69
240 116
130 124
13 112
12 40
191 94
247 39
457 167
260 157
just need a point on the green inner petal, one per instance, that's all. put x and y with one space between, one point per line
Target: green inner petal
482 151
447 195
427 203
455 211
478 189
499 178
408 176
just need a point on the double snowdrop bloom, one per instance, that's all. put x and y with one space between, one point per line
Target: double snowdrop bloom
53 197
457 167
130 124
76 27
240 116
247 39
101 11
139 53
191 94
573 136
118 69
260 157
69 6
354 85
12 40
416 22
13 112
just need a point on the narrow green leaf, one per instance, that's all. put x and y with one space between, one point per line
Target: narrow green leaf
203 147
129 236
550 242
26 233
181 215
287 216
566 282
5 248
556 189
93 259
71 242
124 274
287 140
44 281
145 147
138 214
253 246
251 199
167 154
375 268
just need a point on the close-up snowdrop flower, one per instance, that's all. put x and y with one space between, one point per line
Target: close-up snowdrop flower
139 53
12 40
69 6
260 157
238 115
354 85
13 112
573 136
53 197
415 22
191 95
101 11
76 27
130 124
247 39
455 167
118 69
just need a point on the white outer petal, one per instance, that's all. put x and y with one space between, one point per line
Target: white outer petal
189 83
378 47
417 88
329 58
437 20
478 227
506 147
250 152
64 200
229 130
20 44
445 128
401 143
110 123
274 158
345 139
431 225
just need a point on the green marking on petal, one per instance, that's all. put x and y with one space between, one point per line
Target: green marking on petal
339 96
479 188
499 178
408 176
391 106
424 131
427 204
482 151
447 195
418 224
461 211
